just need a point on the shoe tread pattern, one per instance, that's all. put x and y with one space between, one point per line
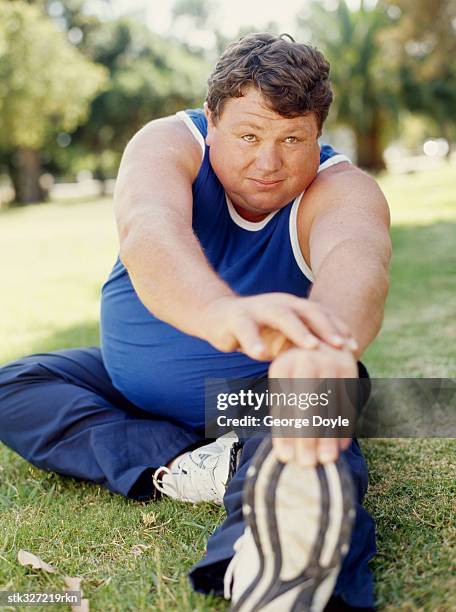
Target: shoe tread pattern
312 575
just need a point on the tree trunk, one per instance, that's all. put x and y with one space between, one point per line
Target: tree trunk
25 172
99 176
369 148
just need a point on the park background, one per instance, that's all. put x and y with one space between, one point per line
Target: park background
77 79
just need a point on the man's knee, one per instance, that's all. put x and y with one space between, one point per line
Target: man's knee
24 370
31 394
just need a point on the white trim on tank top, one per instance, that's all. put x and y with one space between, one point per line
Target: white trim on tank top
293 225
251 226
193 129
255 226
331 161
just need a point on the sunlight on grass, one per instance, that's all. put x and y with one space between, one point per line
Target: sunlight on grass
421 198
418 337
56 258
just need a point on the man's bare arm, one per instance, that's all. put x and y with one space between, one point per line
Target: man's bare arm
344 236
350 249
153 206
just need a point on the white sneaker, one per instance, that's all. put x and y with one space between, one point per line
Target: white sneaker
200 475
299 522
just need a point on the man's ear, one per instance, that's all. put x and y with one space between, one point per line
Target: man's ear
210 123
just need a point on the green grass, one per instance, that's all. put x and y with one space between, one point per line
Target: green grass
54 260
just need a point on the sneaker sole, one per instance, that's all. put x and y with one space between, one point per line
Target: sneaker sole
332 517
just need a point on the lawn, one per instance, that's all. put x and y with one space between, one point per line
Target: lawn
54 260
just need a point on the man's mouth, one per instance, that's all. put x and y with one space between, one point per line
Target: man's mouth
266 184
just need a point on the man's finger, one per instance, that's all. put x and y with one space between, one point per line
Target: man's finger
306 451
294 328
320 323
275 341
250 340
345 443
284 449
345 332
327 450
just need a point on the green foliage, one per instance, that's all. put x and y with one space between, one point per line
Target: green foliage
112 79
427 58
147 70
150 77
386 57
46 83
364 77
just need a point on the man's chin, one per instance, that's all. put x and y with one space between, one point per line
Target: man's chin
256 213
265 205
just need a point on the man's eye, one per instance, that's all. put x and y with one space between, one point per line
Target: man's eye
291 139
249 137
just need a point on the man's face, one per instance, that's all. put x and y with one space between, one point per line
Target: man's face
262 159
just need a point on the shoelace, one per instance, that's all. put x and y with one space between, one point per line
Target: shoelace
201 457
157 479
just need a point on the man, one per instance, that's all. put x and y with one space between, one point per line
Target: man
226 265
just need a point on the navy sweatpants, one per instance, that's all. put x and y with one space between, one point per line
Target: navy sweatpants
61 412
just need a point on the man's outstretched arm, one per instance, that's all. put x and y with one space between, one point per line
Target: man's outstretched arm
153 207
343 228
345 238
350 249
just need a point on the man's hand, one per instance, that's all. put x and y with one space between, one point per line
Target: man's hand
325 362
237 323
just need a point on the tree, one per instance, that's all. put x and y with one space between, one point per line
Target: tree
149 77
46 88
424 41
365 79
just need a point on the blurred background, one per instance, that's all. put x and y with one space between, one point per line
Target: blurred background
78 78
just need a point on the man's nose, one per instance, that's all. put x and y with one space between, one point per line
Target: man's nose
268 159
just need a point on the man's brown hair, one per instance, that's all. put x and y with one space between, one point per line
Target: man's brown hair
292 77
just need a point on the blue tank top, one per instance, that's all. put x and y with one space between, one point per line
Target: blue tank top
158 367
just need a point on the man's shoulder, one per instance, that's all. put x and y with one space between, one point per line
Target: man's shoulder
333 188
168 137
170 125
342 195
316 198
